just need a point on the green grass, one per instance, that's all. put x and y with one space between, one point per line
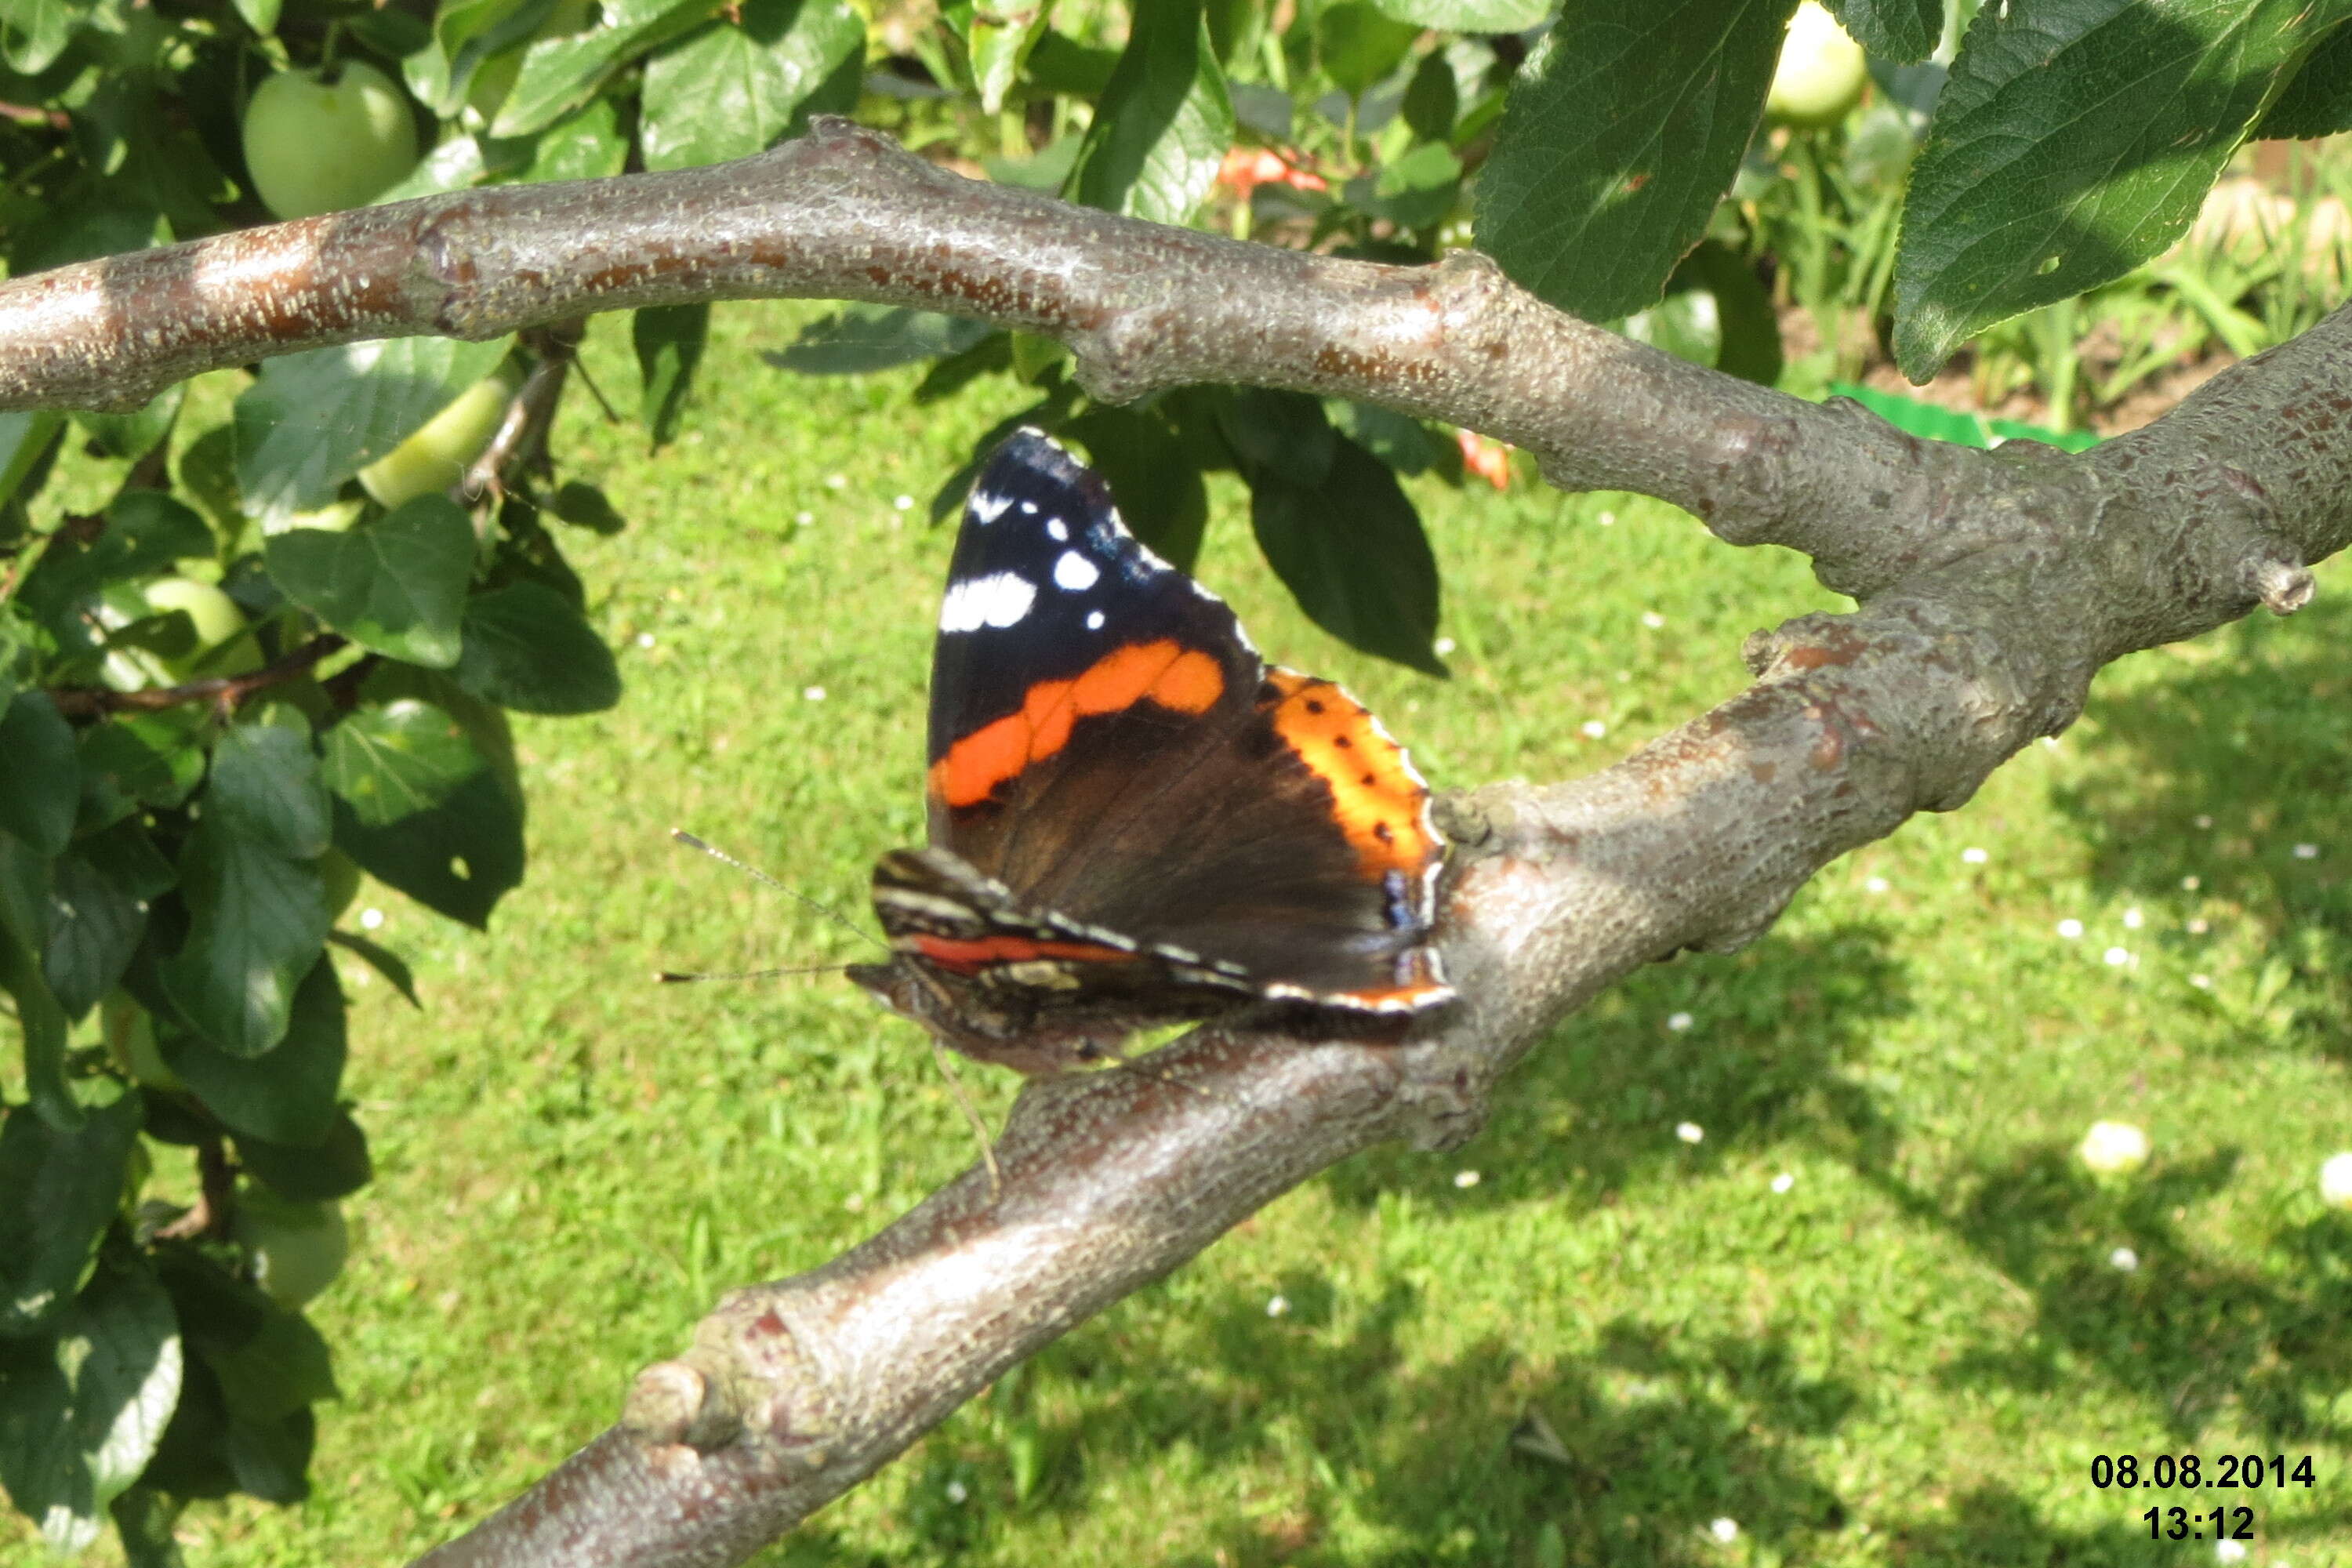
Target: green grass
1909 1356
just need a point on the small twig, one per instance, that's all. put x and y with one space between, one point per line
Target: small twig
227 691
215 1196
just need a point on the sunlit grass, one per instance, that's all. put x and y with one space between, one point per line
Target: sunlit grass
1907 1350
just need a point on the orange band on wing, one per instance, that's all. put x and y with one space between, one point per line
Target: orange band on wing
1378 800
1182 679
965 956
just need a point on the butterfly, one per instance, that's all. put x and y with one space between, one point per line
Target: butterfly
1133 818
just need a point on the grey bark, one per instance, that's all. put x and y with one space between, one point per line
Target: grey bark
1992 586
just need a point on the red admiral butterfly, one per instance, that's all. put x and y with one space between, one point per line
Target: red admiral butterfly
1133 818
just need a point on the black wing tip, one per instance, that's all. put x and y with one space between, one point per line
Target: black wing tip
1031 464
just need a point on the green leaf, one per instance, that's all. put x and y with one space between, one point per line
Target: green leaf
998 43
1469 15
1433 99
26 438
1624 128
41 1021
730 91
1400 440
466 36
244 1421
57 1191
2023 195
151 759
587 146
256 922
383 960
1351 551
526 649
333 1167
2319 100
311 421
1159 489
261 15
1284 433
1060 65
133 434
81 1411
1415 191
421 805
34 33
24 882
266 788
559 74
99 907
396 585
860 338
1900 31
1164 121
40 787
1359 44
286 1095
669 340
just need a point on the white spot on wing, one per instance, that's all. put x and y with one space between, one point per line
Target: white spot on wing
999 599
1075 573
1028 509
987 508
1060 529
1093 620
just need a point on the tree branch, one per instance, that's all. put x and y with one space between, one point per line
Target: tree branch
225 691
1993 586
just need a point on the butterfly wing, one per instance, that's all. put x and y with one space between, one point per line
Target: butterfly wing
1106 742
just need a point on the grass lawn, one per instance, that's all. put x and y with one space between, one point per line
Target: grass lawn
1874 1313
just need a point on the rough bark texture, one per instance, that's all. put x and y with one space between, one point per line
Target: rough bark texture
1993 586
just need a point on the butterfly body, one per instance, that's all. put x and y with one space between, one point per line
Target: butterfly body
1133 819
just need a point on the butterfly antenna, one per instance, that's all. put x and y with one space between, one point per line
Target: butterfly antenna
971 1115
724 858
673 977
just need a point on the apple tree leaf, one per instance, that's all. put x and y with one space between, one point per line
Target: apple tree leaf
2074 140
83 1407
731 90
1164 121
395 585
1623 131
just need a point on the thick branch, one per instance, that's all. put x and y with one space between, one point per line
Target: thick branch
843 214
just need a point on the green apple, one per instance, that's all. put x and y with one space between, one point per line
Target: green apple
297 1248
1822 72
438 454
319 146
218 622
129 1035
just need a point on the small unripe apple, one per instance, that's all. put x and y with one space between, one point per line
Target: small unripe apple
217 621
297 1248
319 146
1822 72
438 454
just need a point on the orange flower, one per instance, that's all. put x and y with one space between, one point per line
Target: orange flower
1490 460
1247 168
